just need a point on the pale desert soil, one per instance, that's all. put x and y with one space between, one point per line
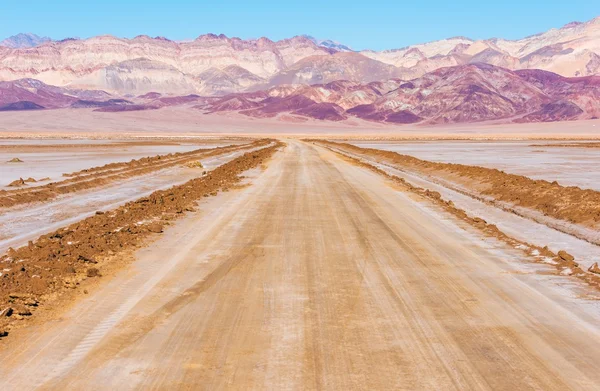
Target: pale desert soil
184 121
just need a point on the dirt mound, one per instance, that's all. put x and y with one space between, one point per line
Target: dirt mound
62 259
15 160
22 182
18 183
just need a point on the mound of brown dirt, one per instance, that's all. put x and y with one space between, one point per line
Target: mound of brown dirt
15 160
62 259
17 183
22 182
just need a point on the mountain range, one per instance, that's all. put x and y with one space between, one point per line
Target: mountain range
459 94
218 65
463 93
551 76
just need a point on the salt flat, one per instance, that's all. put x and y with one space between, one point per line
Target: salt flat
570 166
59 159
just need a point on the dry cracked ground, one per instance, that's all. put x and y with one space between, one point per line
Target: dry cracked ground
302 265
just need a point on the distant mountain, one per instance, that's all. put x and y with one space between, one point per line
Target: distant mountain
573 50
459 94
29 94
327 43
217 65
338 66
211 64
24 41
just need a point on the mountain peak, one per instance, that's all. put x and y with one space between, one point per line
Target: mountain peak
572 24
24 40
329 44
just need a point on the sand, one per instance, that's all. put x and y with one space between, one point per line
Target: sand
182 121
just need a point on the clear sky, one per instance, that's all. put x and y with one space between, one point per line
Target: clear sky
365 24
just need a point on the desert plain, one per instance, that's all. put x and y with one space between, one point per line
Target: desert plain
168 249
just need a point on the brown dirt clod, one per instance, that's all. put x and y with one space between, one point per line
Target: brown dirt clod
565 256
594 268
93 272
156 228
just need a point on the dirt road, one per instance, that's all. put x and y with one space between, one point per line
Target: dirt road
320 275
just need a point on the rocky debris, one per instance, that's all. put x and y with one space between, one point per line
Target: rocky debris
20 305
60 260
565 256
85 259
196 164
27 299
594 268
22 310
433 194
93 272
479 222
156 228
15 160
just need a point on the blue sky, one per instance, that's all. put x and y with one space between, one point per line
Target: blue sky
365 24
